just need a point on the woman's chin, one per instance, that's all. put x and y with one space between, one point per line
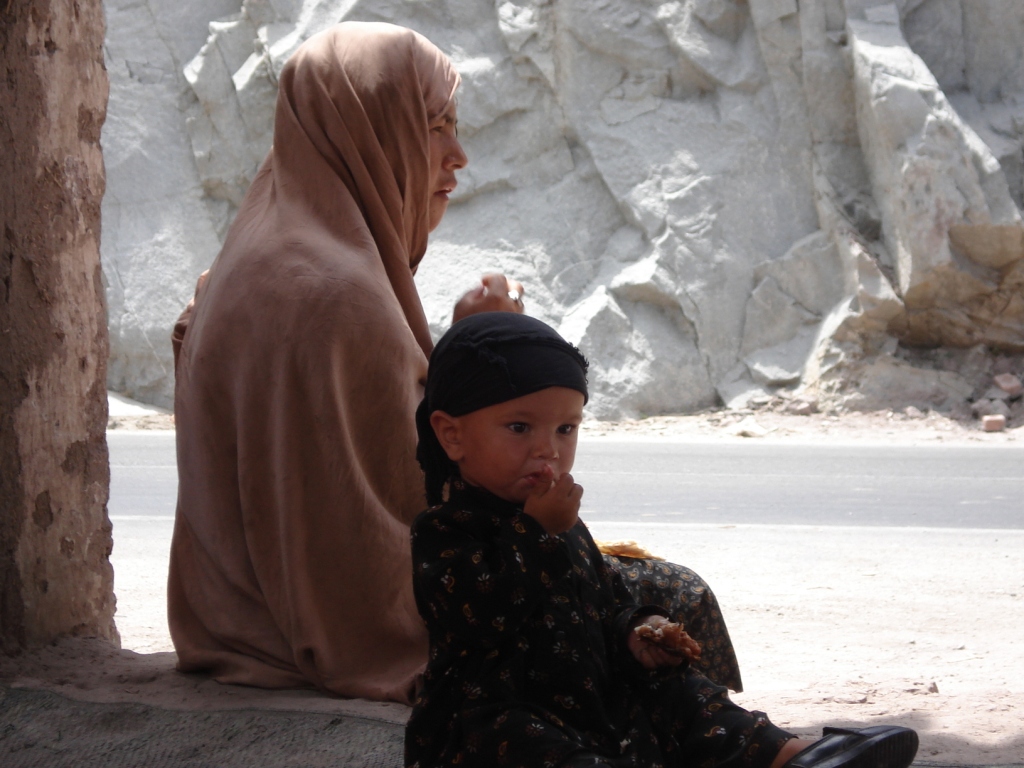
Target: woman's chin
438 207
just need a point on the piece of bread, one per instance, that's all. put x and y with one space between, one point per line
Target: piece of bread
670 637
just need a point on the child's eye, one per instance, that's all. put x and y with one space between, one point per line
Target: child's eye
518 427
567 429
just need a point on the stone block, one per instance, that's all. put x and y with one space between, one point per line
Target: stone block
990 407
801 407
888 383
996 393
1009 384
994 423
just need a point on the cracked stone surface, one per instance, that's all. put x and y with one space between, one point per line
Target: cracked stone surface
718 200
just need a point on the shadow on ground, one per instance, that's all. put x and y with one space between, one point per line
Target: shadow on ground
40 729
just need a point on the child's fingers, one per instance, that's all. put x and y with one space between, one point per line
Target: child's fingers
563 485
649 657
576 493
568 488
666 659
554 503
545 484
638 648
571 491
652 657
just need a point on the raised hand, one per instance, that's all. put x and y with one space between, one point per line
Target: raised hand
555 504
494 294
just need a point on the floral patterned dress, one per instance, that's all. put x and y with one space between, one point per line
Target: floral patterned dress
528 661
688 600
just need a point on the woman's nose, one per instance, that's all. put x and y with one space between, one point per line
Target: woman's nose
455 158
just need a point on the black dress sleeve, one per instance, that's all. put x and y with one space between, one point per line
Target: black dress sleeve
477 575
625 609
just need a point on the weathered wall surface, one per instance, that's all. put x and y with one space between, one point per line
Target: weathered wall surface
55 542
719 200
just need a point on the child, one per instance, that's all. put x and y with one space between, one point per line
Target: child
534 658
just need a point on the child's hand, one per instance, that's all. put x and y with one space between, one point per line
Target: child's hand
646 652
555 504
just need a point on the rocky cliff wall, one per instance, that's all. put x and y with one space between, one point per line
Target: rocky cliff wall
718 200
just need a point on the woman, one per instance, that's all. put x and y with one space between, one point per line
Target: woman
299 366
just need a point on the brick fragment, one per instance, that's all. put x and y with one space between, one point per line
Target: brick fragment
994 423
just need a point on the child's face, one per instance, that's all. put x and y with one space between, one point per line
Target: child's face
511 447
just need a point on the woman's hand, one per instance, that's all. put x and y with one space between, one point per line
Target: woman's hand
555 504
647 653
494 294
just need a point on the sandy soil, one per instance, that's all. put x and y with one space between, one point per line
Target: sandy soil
909 426
832 625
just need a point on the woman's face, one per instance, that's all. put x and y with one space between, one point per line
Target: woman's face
446 157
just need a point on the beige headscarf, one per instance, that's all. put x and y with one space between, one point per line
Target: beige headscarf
299 367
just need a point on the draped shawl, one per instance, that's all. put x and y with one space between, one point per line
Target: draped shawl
299 366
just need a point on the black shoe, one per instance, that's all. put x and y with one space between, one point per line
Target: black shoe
881 746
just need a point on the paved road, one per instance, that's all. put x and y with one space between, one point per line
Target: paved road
934 486
728 483
143 474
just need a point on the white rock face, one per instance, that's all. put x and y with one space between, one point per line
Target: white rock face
949 221
717 200
157 231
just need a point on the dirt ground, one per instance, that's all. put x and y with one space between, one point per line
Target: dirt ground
832 625
908 426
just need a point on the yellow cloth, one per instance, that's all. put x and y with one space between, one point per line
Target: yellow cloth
625 548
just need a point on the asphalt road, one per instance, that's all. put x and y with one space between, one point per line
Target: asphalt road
878 485
722 483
